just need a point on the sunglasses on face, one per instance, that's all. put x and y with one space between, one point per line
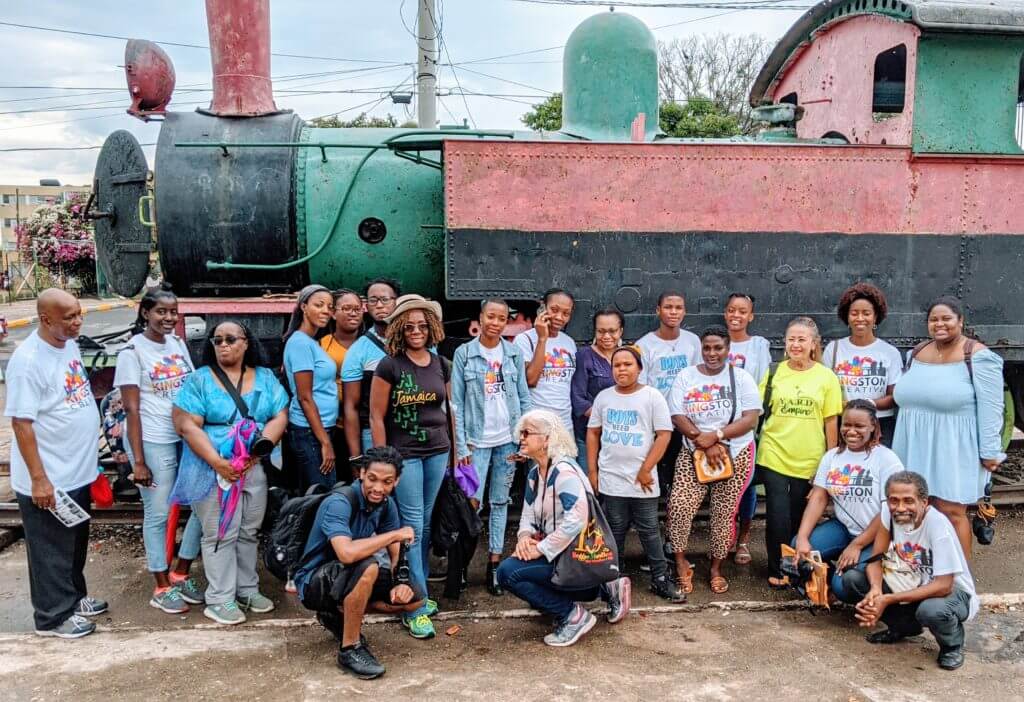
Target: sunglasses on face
525 433
228 340
408 328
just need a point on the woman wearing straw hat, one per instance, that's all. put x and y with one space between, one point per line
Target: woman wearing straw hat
409 411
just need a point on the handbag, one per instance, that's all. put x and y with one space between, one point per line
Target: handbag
591 560
706 473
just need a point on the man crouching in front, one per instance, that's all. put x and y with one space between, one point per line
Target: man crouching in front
340 576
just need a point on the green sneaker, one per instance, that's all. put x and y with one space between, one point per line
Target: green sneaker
432 607
256 602
420 626
227 613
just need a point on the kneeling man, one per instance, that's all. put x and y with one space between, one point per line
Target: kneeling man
340 576
935 586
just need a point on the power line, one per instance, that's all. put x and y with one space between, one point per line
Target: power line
697 4
455 74
506 80
61 148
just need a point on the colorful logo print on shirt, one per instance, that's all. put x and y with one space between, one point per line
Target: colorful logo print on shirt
494 380
558 365
738 360
915 555
168 375
851 480
77 392
707 400
862 372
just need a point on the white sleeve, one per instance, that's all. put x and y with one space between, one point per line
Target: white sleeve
597 411
523 342
694 357
823 466
764 359
675 394
945 559
895 370
24 391
643 378
660 419
746 392
829 356
128 371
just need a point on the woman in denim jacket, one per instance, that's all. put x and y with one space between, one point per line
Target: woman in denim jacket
489 394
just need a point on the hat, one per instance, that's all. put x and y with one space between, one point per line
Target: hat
414 302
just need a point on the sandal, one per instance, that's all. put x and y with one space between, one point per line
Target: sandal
686 581
778 583
742 554
719 585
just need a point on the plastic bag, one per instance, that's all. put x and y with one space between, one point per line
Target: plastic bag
100 491
467 479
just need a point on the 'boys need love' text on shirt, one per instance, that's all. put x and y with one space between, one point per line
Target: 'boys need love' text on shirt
628 424
663 359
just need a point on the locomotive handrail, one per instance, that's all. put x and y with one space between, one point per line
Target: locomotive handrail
388 143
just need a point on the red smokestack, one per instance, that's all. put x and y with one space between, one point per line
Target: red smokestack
240 52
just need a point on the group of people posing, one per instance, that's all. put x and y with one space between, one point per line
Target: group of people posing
367 400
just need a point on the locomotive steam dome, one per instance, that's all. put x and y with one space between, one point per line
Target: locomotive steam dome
609 78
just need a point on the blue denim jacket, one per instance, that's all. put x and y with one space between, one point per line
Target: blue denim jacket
468 369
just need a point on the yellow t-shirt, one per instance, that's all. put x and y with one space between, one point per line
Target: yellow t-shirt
337 352
792 441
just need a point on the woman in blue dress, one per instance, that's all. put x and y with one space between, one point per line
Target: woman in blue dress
951 415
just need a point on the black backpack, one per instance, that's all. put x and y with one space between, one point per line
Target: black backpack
286 541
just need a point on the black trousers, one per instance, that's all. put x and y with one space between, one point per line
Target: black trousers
785 500
56 560
667 464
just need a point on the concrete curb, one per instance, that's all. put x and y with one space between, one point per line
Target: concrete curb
102 307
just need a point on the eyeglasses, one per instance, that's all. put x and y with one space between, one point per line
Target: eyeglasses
349 310
385 300
606 332
229 340
524 433
409 328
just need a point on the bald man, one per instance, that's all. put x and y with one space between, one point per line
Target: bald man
56 430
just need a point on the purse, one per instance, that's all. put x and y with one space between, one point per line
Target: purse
593 558
706 473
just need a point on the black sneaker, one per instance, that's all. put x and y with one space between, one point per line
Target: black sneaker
493 586
358 661
888 636
951 658
666 588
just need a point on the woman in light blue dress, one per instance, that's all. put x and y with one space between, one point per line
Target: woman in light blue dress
951 415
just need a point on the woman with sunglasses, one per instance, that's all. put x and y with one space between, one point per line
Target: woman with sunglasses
204 415
342 332
312 376
409 411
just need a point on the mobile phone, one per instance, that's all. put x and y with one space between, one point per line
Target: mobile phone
541 309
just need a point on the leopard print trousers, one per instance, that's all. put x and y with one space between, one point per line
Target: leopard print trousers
688 494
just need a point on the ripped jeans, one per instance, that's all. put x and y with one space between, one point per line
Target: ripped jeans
492 466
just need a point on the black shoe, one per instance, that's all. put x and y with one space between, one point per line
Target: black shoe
358 661
666 588
888 636
951 658
493 586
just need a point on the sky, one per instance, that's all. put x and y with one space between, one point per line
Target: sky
348 32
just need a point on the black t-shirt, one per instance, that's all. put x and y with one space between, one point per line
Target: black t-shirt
417 421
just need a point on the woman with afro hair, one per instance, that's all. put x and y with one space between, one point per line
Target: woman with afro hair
867 367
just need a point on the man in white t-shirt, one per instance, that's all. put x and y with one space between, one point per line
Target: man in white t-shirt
944 597
56 433
550 355
665 352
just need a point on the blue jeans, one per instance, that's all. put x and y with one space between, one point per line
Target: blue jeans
366 439
530 581
492 465
581 455
162 461
748 503
416 493
830 539
308 457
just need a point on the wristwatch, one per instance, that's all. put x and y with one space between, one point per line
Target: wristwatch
720 434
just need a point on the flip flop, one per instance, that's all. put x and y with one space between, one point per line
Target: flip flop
719 585
742 554
686 581
779 583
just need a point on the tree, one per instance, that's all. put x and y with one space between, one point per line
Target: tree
545 115
697 118
720 68
386 122
60 239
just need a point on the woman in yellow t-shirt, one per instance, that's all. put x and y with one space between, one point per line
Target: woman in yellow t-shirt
802 423
343 330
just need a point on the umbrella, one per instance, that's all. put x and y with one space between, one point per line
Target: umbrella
236 449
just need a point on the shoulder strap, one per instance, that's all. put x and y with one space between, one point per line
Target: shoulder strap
766 409
235 393
375 340
835 352
917 349
968 351
732 392
353 500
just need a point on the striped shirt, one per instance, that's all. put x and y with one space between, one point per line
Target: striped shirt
557 510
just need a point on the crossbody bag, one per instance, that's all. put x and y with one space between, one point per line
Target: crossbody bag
707 473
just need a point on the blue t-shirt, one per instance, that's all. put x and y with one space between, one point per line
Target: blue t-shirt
361 361
202 396
334 518
302 353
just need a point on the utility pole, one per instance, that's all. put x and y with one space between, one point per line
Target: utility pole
426 64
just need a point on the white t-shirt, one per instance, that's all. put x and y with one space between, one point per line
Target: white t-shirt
753 355
159 370
855 480
49 386
627 423
933 550
864 372
552 391
706 401
496 430
664 359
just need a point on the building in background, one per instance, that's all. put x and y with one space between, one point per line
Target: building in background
18 202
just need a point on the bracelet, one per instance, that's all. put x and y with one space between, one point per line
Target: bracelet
352 459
